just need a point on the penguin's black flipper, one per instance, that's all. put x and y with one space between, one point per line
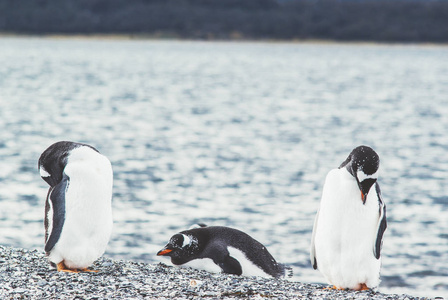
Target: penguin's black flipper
230 266
382 223
57 198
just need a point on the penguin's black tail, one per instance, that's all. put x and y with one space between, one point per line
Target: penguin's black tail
286 271
197 225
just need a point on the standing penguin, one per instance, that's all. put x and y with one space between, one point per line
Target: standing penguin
78 212
350 223
217 248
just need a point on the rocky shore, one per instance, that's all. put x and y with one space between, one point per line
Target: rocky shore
26 274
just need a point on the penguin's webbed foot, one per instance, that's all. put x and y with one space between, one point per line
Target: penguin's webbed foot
363 287
61 267
88 270
334 288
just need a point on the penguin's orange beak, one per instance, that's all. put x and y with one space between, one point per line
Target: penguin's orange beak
364 187
164 252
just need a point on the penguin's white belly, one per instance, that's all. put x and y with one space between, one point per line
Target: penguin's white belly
346 235
207 264
88 217
248 267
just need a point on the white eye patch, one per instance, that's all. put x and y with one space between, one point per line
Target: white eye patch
43 173
187 240
362 176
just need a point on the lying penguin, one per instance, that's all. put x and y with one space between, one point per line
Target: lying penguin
222 249
78 212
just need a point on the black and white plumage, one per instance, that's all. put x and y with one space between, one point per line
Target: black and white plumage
222 249
78 212
350 223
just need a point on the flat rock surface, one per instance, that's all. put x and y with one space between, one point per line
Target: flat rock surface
26 274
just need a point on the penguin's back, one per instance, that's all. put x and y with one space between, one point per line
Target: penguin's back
88 213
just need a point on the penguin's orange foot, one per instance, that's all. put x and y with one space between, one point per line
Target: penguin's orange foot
61 267
363 287
88 270
334 288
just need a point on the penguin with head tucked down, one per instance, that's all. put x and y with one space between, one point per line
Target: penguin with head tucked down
222 249
350 223
78 211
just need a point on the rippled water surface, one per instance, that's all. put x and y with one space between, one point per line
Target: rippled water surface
234 134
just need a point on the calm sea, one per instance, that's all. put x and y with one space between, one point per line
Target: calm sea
233 134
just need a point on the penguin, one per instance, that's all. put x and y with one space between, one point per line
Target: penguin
222 249
350 223
78 212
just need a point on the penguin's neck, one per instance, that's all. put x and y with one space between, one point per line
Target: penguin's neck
341 189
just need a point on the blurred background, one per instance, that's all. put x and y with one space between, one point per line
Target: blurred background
343 20
232 113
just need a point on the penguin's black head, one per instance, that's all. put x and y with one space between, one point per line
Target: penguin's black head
363 163
54 159
181 248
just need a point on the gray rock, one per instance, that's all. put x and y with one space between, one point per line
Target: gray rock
27 274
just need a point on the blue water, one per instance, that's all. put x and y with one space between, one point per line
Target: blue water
234 134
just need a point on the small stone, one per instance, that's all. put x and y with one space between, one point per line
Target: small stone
195 283
41 282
